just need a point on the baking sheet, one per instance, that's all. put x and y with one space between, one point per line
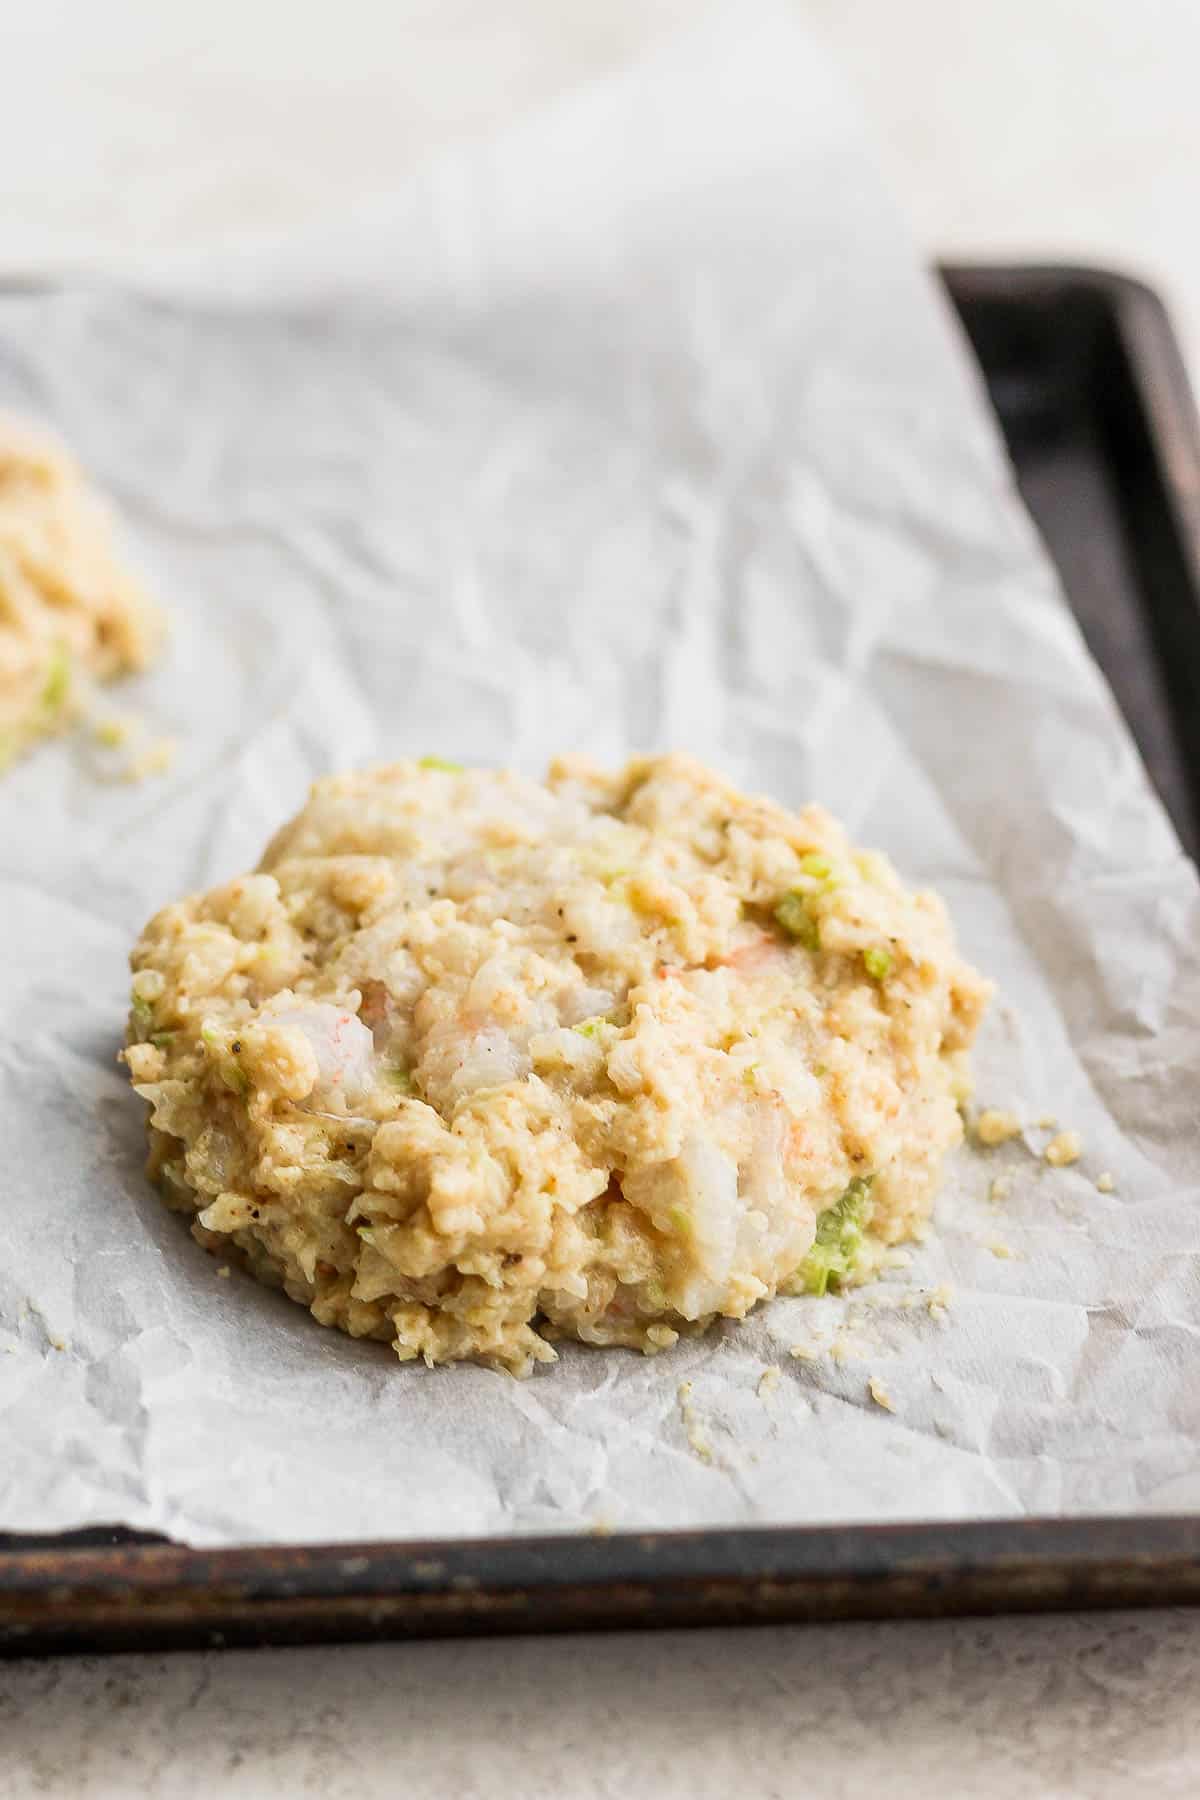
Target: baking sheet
635 427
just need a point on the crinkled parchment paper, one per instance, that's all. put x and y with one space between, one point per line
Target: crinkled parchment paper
636 427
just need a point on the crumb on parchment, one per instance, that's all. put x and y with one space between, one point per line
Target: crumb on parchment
1000 1189
880 1395
1064 1149
155 759
995 1126
847 1345
915 1299
137 755
1105 1183
114 731
769 1380
223 1272
696 1436
852 1342
1047 1122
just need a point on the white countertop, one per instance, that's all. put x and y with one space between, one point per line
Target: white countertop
1047 128
1051 129
1043 130
1100 1707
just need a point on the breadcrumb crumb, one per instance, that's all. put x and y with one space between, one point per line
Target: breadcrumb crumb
880 1395
1064 1149
769 1380
848 1347
1000 1189
994 1126
1047 1122
113 732
155 759
223 1272
1004 1251
695 1434
138 754
940 1300
885 1300
1105 1183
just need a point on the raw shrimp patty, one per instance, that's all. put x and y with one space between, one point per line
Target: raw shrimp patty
472 1062
70 612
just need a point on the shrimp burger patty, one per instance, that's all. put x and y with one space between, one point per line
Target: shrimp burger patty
472 1062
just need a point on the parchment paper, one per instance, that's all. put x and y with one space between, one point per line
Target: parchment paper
637 426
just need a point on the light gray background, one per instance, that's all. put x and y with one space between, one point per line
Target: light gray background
1053 127
1101 1707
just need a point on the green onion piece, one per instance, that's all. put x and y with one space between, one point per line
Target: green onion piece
440 762
839 1240
399 1078
594 1028
58 680
160 1039
816 865
878 962
792 915
142 1013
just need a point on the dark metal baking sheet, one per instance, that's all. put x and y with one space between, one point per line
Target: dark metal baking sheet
158 1596
1090 389
1086 377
